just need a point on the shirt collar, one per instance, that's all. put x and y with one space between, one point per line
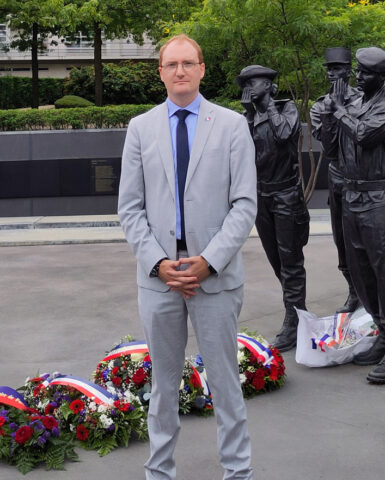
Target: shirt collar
193 107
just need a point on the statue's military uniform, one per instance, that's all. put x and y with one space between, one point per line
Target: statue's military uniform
325 129
361 137
282 220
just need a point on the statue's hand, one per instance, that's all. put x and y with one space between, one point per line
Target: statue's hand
338 94
247 102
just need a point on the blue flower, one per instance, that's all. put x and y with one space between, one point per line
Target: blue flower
199 360
55 432
111 428
13 426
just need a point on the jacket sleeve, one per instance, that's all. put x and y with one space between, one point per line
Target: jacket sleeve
285 124
242 199
131 204
368 131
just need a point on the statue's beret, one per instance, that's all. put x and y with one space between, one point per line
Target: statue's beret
252 71
372 58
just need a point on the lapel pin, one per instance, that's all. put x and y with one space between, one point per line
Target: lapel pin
208 119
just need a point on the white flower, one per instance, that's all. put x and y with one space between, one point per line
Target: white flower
181 385
102 408
72 427
242 378
241 356
92 407
105 421
129 396
137 357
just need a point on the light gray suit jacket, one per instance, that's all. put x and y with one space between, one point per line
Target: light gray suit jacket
220 201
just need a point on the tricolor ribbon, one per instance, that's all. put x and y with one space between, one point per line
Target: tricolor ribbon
9 396
263 353
338 336
201 380
100 395
127 349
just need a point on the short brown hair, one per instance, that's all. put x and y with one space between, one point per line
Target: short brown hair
181 38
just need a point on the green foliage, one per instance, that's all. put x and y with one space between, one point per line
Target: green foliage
89 117
289 36
126 83
72 101
15 92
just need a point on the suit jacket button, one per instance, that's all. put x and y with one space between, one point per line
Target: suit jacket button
172 232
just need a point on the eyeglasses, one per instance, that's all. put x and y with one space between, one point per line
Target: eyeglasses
172 66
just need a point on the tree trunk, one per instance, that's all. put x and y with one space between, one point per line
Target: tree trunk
98 67
35 67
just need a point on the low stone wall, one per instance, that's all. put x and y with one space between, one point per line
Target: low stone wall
72 172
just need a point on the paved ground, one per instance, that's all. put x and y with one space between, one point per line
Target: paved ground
63 306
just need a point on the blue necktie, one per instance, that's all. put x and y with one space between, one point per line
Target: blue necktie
182 159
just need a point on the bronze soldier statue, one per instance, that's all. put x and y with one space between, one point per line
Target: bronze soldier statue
361 131
324 128
283 220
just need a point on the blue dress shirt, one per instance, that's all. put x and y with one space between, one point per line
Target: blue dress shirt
191 123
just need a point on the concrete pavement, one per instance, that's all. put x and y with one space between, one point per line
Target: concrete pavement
64 305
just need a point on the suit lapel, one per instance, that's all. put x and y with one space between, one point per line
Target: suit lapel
163 137
205 123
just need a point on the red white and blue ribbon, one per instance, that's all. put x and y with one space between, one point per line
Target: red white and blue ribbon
127 348
201 380
98 394
338 335
263 353
9 396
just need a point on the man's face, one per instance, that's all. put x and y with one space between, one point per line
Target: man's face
259 87
338 70
182 83
367 80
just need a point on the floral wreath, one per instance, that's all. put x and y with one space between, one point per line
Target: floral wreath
57 412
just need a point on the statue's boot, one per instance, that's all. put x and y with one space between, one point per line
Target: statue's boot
352 302
377 375
287 336
376 353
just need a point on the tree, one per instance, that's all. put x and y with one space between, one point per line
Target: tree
122 19
289 36
31 22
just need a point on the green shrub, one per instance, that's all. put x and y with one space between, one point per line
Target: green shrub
16 92
72 101
124 83
115 116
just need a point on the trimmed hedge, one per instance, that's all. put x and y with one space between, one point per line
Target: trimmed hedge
16 92
61 119
72 101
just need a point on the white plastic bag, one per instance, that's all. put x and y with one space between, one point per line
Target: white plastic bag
333 340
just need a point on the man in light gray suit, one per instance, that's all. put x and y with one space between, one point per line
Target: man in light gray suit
187 203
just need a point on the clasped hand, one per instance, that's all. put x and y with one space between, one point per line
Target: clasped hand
337 94
185 280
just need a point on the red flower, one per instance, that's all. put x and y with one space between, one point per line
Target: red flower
139 377
49 423
116 381
76 406
38 389
49 409
115 370
147 358
82 433
2 433
249 375
2 421
120 405
258 381
36 380
32 410
194 381
273 372
23 434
